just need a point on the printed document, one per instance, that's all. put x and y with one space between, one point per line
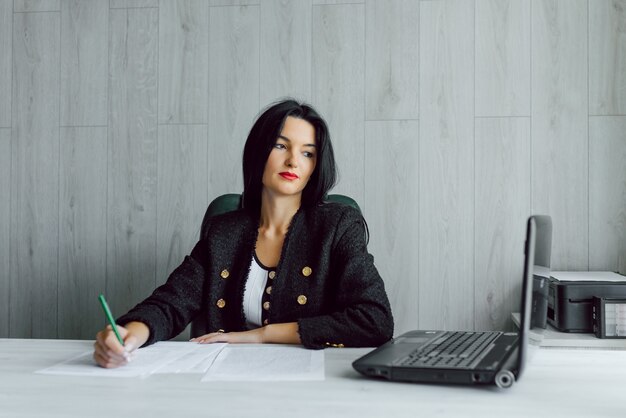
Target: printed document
218 362
266 362
174 357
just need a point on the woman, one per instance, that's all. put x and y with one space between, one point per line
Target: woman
286 268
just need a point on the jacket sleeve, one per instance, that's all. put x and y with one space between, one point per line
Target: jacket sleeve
362 315
174 304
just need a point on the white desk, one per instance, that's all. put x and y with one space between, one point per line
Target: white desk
555 338
557 383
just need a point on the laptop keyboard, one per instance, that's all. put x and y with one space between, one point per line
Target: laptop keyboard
452 349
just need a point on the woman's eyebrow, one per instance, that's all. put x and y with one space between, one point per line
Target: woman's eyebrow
289 140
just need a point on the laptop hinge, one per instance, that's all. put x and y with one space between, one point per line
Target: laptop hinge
508 372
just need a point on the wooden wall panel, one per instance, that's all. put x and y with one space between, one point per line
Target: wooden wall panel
37 5
392 60
391 208
35 175
183 61
331 2
182 193
607 57
84 58
607 193
234 89
502 58
285 50
204 68
446 165
132 159
82 231
6 59
502 202
213 3
125 4
5 229
338 75
182 196
559 127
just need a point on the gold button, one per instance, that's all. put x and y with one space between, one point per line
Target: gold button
272 274
268 290
340 346
224 274
220 331
306 271
302 300
266 321
221 303
266 306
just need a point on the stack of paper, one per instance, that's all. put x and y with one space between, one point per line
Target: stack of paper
261 363
216 361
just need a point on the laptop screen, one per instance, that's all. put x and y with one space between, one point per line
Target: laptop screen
535 286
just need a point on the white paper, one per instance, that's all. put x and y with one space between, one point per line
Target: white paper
588 276
197 360
266 363
144 361
218 361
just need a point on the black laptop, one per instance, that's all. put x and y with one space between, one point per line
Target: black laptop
472 357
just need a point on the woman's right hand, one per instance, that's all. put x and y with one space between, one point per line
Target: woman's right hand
108 352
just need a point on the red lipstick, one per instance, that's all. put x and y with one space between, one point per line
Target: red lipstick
288 176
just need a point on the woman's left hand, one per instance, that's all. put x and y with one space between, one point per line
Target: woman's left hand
254 336
286 333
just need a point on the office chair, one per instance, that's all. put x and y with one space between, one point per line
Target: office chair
228 203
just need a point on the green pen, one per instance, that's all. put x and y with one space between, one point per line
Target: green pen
107 312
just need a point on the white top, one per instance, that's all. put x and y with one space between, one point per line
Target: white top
253 293
588 276
552 337
558 383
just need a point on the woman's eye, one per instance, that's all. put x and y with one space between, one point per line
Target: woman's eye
308 154
279 146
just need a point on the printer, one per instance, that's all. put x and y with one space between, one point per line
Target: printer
570 297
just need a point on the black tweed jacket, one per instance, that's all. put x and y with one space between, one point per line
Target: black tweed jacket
325 280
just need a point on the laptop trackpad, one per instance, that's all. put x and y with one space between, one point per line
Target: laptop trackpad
401 347
412 340
390 354
418 337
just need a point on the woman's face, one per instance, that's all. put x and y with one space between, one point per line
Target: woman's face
292 159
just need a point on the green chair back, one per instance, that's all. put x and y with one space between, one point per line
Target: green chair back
232 201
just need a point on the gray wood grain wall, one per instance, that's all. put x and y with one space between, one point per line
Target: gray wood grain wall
453 120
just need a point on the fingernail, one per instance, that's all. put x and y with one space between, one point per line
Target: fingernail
128 350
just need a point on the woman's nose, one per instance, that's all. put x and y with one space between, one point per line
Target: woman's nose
291 162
